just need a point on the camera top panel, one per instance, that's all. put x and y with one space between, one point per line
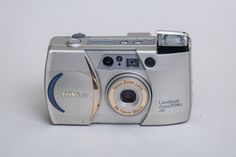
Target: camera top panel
130 39
163 43
102 41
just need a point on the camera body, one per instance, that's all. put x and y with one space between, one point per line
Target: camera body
134 79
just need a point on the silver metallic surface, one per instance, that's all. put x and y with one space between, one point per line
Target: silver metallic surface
82 89
96 88
74 42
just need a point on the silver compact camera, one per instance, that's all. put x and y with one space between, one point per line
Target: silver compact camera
134 79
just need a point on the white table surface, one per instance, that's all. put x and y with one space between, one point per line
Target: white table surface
26 27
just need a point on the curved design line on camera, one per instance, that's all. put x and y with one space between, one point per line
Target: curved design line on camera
96 87
51 92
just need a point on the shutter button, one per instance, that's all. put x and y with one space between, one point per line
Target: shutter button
74 42
78 35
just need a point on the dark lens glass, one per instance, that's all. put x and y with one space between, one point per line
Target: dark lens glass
108 61
128 96
149 62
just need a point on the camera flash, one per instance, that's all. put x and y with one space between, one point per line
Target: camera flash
177 39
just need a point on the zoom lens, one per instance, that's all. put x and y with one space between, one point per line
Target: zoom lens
128 96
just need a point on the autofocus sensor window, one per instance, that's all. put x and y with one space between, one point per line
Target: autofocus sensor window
128 96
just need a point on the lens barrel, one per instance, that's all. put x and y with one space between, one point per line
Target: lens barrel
128 94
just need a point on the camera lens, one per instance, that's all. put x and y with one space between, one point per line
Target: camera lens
108 61
128 96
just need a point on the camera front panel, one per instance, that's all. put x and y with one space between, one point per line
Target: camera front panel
136 78
170 80
126 93
71 88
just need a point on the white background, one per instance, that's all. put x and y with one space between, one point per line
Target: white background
26 27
